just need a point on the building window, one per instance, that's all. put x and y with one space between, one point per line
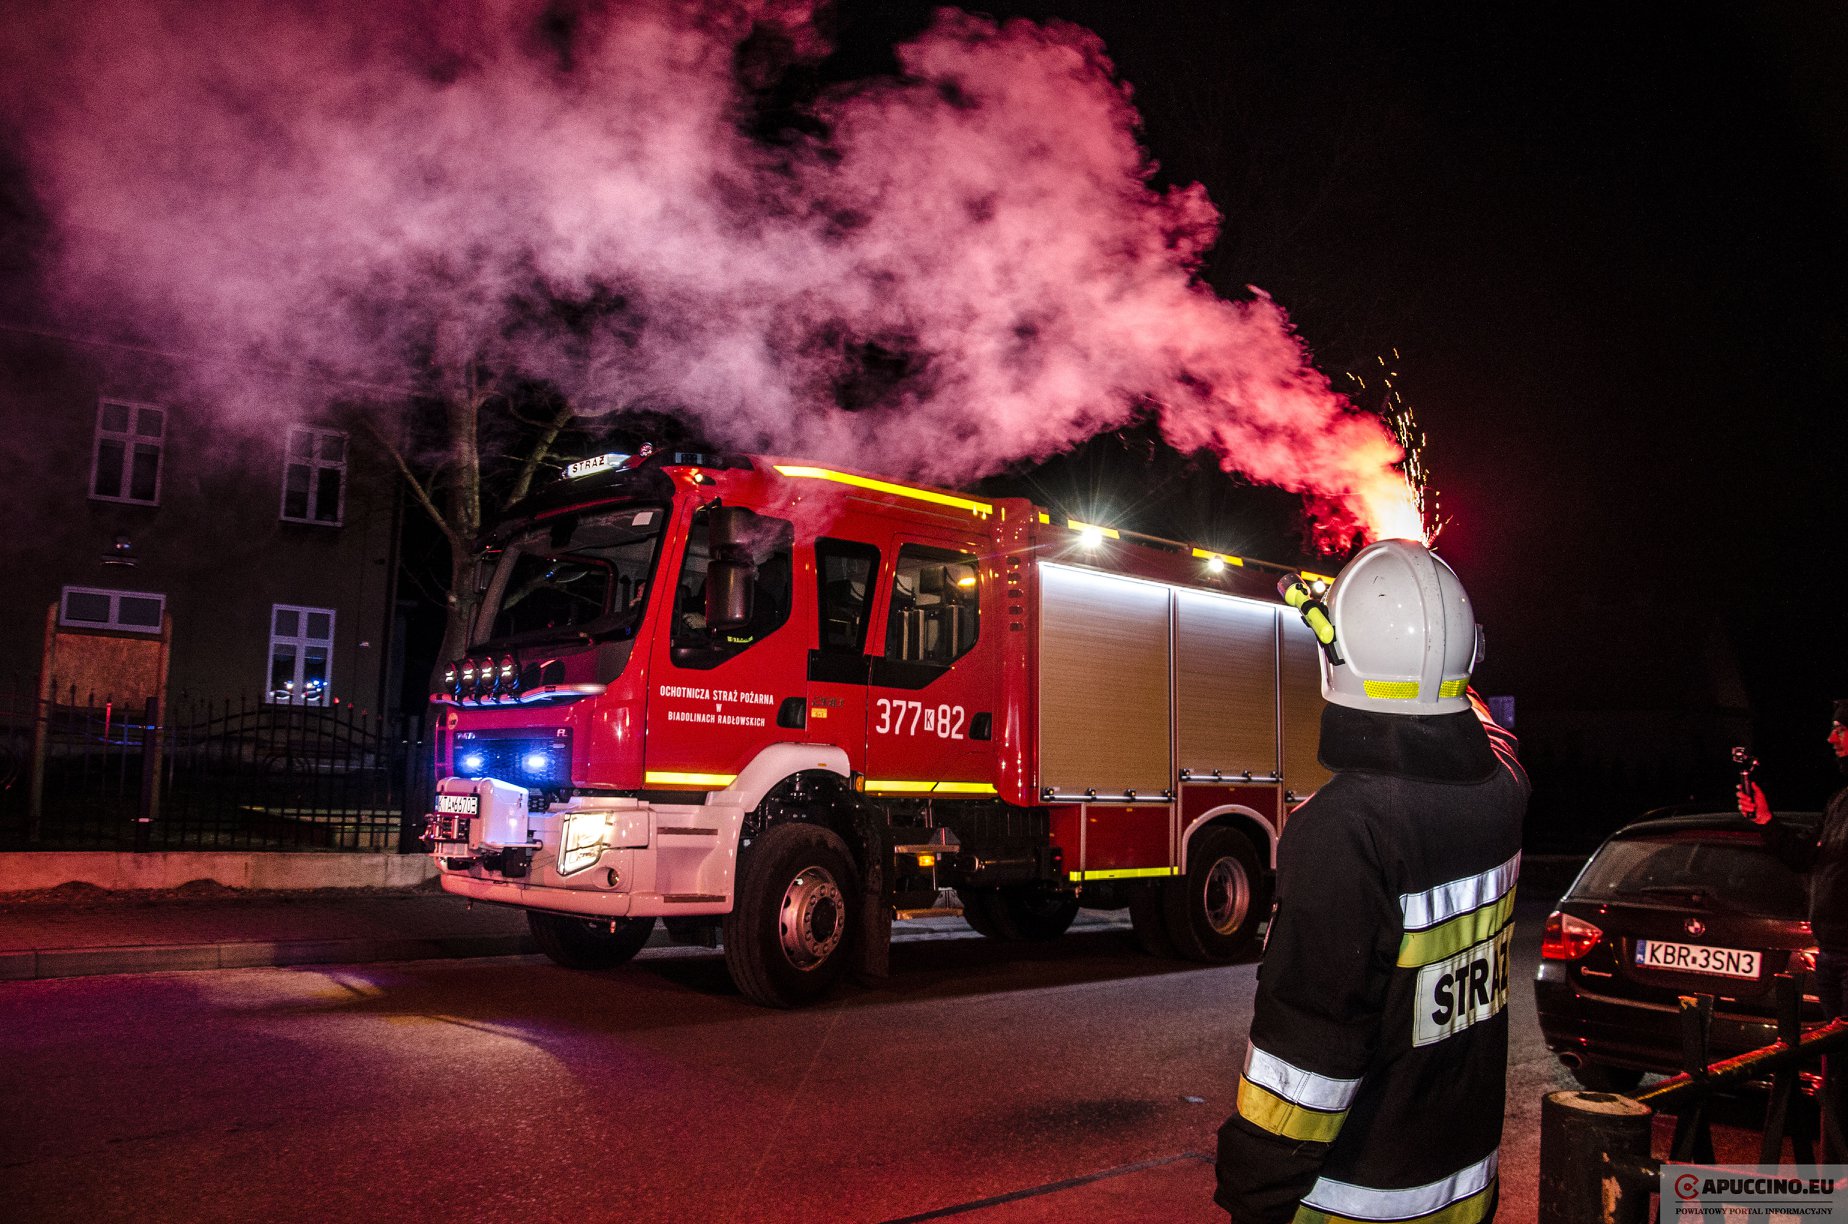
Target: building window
129 611
300 654
314 476
126 464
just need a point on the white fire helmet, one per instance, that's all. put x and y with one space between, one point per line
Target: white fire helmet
1405 636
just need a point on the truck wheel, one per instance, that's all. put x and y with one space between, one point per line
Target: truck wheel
1149 920
1214 909
588 943
1037 913
1012 915
982 910
787 938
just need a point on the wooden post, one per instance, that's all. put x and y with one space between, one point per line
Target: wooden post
1594 1159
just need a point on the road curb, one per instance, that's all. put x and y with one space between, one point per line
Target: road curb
32 964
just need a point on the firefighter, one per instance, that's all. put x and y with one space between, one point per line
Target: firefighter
1374 1083
1826 859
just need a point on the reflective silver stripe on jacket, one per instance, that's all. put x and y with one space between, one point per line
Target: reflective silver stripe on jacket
1446 901
1297 1086
1364 1203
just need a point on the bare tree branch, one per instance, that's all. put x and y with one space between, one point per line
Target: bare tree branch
418 491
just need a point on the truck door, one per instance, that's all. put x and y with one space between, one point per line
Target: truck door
846 593
932 685
718 696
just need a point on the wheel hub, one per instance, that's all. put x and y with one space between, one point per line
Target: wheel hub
1228 895
809 920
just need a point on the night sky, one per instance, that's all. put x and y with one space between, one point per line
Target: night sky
1607 244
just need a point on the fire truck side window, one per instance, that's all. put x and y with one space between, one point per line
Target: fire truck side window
934 606
844 578
769 550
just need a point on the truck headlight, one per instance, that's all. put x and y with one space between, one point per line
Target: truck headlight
582 839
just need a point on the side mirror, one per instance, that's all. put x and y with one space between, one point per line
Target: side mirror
729 528
728 594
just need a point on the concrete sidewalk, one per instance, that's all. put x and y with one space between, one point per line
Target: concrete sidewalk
75 930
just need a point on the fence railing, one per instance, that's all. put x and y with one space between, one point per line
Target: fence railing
80 771
1596 1160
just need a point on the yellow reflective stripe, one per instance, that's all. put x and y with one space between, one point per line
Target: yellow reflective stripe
1392 690
1109 533
908 786
1449 938
1469 1210
706 781
980 509
1126 873
1045 518
1453 688
1262 1107
1206 554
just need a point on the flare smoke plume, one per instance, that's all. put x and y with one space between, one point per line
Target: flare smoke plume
337 187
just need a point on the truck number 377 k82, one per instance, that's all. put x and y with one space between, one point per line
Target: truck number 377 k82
910 717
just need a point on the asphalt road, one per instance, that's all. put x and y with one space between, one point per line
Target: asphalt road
510 1089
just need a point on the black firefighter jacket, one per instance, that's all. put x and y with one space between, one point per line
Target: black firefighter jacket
1374 1084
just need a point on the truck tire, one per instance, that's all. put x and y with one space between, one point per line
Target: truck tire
1018 914
588 943
1213 910
1149 920
788 937
982 911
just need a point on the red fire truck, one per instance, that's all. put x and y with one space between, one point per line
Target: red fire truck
780 705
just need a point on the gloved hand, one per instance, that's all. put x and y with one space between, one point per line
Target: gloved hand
1753 805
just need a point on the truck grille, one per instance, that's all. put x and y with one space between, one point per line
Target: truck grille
537 762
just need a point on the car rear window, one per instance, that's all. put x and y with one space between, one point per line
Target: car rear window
1732 874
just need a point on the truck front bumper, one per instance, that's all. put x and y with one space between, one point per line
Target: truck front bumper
605 857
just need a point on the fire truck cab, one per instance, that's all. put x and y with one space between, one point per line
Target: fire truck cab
780 705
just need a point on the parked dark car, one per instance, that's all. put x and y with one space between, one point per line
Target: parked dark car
1694 903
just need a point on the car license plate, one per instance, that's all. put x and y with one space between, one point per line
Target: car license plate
1693 958
459 805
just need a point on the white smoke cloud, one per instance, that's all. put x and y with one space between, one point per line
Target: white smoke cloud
328 187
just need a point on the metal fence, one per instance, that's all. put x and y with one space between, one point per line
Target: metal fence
80 771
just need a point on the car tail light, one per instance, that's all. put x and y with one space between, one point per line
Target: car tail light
1568 938
1802 961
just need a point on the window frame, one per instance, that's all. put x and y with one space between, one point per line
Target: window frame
115 623
928 552
129 440
301 641
315 464
694 648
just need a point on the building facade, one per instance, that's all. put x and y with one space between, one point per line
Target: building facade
158 545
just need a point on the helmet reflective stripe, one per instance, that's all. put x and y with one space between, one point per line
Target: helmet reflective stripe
1404 633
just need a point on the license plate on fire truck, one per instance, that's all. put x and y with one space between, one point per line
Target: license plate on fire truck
459 805
1692 958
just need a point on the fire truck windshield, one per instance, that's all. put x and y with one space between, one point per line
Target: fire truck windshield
579 577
